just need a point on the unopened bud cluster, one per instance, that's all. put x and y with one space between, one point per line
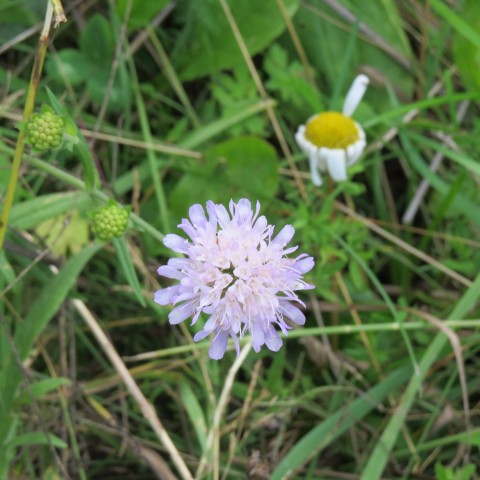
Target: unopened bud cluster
45 130
110 221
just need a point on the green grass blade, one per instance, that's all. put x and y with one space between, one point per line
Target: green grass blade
335 425
128 268
195 413
50 300
380 455
458 24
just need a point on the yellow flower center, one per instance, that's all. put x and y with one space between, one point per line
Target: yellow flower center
331 130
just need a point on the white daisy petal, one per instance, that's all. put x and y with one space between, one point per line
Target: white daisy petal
355 94
337 165
313 159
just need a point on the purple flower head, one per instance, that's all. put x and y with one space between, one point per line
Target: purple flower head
236 272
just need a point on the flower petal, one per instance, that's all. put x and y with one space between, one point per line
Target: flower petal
201 335
314 170
337 165
219 345
258 337
176 243
164 296
304 265
284 236
197 215
180 313
293 313
272 339
169 272
355 94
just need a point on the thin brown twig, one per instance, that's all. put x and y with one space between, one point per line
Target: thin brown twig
263 93
145 406
403 245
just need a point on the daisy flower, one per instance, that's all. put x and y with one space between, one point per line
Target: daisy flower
237 273
333 141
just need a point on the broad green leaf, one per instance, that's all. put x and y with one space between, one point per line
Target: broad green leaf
210 45
141 12
241 167
125 259
37 438
338 423
69 66
96 41
252 165
32 213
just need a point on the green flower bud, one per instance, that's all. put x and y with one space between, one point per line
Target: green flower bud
45 130
110 221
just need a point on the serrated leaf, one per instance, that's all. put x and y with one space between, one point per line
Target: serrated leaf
211 45
62 238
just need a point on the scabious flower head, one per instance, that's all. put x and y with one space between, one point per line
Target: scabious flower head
110 221
236 272
333 141
45 130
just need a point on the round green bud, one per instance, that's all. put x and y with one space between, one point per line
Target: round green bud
110 221
45 130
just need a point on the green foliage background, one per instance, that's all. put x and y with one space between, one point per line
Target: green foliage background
164 110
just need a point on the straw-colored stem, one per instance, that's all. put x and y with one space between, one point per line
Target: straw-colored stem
27 111
145 406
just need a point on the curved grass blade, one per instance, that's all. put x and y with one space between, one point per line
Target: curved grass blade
335 425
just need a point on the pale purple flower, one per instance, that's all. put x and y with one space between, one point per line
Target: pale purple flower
237 273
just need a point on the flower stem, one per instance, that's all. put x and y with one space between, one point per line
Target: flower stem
27 111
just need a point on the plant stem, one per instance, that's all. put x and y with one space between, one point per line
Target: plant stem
28 109
77 183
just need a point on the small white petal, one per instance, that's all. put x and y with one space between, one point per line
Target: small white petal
355 94
313 160
337 165
359 147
